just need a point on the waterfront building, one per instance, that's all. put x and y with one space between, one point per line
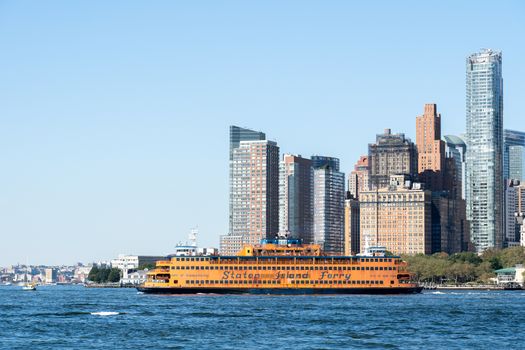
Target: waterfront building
397 217
135 278
352 227
329 196
485 186
81 273
513 154
511 275
255 191
238 134
358 178
392 154
131 263
50 275
296 208
455 153
430 148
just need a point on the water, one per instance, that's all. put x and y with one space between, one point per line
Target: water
74 317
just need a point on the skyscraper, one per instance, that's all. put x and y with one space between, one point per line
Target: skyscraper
456 149
514 204
484 112
296 209
358 178
392 154
430 148
254 194
329 198
513 154
238 134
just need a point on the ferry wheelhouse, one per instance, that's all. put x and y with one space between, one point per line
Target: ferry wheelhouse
281 266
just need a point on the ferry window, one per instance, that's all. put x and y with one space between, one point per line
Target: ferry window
381 282
178 259
376 268
192 267
391 282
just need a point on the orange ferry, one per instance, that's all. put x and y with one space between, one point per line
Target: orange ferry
280 266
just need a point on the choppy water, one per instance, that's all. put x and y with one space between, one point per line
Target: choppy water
59 317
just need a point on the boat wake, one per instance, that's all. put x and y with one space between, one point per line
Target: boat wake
105 313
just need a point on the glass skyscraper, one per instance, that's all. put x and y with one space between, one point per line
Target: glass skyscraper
513 154
456 149
329 200
484 177
296 206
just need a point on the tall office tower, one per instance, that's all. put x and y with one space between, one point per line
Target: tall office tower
296 207
352 227
513 154
439 174
514 205
430 148
329 198
450 229
392 154
358 178
238 134
397 217
485 186
455 152
255 194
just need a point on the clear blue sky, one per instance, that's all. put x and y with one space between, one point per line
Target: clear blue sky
114 115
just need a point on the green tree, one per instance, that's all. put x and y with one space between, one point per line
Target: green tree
467 257
511 256
149 266
93 273
114 275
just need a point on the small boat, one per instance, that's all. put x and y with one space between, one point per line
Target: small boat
29 286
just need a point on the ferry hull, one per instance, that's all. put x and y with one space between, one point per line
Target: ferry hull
282 291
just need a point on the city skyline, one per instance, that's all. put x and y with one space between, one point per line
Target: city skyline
102 145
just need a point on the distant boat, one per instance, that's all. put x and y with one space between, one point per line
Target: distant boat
29 286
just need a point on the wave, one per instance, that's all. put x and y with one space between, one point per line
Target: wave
105 313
